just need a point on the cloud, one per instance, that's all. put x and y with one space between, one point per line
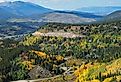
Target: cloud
2 0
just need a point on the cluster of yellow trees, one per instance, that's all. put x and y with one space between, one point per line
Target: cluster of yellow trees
44 55
40 54
28 64
30 40
96 72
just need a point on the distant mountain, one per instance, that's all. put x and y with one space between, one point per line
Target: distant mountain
6 14
61 17
82 14
100 10
115 16
21 9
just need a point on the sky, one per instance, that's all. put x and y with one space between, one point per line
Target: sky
71 4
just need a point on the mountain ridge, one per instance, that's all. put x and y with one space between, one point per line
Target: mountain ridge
24 10
100 10
114 16
18 11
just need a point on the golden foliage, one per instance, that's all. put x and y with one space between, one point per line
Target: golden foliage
83 44
108 79
40 54
87 72
114 67
118 78
82 68
30 40
59 58
96 80
28 65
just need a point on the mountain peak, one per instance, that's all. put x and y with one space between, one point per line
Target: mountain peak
8 3
15 2
21 8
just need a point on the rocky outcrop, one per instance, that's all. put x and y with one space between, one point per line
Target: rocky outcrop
39 72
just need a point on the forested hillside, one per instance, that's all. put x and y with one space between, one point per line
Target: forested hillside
91 53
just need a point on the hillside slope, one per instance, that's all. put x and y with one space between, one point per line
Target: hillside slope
65 18
115 16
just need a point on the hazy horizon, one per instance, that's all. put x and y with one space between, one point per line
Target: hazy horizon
71 4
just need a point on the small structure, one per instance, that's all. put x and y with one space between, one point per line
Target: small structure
39 72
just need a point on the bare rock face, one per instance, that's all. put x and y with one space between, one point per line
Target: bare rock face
39 72
59 34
